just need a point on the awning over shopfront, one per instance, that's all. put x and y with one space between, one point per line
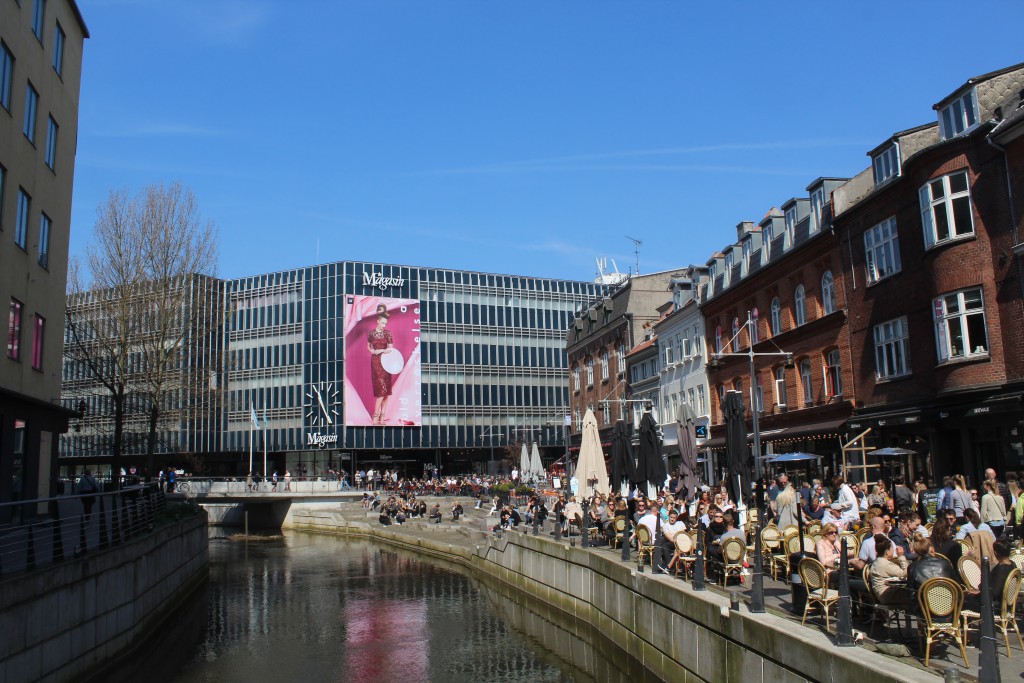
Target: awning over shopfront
820 430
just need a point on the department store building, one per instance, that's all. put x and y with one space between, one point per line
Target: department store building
484 369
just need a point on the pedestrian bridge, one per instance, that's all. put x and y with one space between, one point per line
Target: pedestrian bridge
233 502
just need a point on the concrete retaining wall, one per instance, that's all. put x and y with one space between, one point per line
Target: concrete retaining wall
67 622
676 633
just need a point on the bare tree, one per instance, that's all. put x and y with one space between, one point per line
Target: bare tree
147 304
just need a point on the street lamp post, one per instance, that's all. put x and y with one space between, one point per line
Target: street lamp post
715 362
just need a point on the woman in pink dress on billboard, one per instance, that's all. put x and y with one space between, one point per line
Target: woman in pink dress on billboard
379 342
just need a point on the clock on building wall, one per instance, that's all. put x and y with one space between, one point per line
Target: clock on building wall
322 402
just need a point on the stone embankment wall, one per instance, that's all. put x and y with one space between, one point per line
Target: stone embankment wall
677 634
69 621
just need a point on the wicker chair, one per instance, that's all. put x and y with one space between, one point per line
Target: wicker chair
812 529
1017 557
1006 617
734 552
941 600
970 572
966 545
684 557
772 549
815 580
644 543
862 534
889 613
852 542
618 531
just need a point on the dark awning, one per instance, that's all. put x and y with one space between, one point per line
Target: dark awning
819 429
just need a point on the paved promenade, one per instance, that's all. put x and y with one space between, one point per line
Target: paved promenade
474 528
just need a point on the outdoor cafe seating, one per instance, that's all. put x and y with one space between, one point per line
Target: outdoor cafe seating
941 601
684 558
644 542
815 580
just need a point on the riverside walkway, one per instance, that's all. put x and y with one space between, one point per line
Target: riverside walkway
473 530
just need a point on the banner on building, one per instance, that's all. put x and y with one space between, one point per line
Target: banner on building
382 362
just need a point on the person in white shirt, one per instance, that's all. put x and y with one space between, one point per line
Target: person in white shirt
867 548
669 530
650 520
847 502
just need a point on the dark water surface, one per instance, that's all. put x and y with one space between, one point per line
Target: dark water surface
325 609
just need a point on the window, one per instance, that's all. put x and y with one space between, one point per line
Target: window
892 349
758 395
6 75
776 317
735 334
805 381
960 330
886 164
38 14
622 358
828 293
748 246
37 342
14 330
668 354
752 329
604 366
958 116
790 234
712 267
697 344
817 210
687 347
682 348
799 307
882 251
727 274
31 103
833 374
946 209
58 50
44 240
718 339
51 144
701 407
779 374
590 372
576 378
21 222
767 233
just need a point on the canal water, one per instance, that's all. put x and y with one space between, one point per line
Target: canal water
321 608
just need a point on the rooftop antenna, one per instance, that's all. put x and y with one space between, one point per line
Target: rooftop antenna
636 249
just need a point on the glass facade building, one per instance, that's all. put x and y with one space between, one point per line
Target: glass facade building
493 366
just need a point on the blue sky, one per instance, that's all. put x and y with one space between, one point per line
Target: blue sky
525 136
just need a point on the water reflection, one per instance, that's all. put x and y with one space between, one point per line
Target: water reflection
313 607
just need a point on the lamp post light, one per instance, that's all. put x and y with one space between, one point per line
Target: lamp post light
715 362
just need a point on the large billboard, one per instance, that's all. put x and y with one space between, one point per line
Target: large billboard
382 362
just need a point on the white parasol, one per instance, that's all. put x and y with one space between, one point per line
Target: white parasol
590 468
524 464
536 468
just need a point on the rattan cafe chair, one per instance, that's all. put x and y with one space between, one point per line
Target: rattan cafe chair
815 580
941 600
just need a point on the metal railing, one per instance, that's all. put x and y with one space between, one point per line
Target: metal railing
45 531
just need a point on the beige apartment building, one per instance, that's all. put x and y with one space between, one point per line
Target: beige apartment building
41 45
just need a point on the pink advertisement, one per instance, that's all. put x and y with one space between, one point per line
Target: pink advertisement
382 362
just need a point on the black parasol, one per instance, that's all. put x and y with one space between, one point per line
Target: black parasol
650 467
736 449
623 467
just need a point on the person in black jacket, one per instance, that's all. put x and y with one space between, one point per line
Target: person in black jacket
906 526
928 565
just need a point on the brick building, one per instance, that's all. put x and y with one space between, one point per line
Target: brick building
597 342
933 287
781 283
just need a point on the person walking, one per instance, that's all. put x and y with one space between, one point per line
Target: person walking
88 487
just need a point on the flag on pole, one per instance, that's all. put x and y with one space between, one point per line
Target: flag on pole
252 417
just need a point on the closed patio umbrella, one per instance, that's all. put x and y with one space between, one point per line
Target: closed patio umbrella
590 468
650 467
536 468
736 450
623 465
524 464
687 446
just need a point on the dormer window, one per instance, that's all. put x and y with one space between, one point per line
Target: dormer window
790 236
712 267
817 209
886 164
727 275
748 245
959 116
767 234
